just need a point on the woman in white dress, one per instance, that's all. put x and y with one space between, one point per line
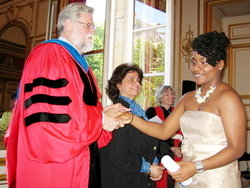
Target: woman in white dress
212 119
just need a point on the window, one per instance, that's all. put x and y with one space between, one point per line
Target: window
95 58
149 46
144 39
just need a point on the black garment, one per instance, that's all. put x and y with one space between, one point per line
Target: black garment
90 98
121 159
164 147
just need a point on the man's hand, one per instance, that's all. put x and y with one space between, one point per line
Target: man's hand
110 122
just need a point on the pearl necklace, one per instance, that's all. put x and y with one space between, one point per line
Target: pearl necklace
201 99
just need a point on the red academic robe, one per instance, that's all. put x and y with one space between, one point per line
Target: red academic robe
52 154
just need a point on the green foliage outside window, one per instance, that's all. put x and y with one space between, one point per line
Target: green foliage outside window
147 96
95 61
151 61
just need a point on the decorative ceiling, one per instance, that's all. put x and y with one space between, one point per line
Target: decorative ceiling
237 8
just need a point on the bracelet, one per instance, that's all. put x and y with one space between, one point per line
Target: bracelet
131 118
199 166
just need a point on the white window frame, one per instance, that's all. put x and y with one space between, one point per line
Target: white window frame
110 41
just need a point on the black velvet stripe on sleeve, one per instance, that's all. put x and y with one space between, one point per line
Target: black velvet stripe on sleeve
45 82
41 98
46 117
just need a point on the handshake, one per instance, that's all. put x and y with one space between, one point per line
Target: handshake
116 116
126 117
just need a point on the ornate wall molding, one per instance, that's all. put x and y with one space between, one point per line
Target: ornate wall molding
239 31
11 62
13 14
11 67
186 45
238 68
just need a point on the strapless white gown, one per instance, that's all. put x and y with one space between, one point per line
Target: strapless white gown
203 137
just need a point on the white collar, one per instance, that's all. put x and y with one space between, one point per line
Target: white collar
65 40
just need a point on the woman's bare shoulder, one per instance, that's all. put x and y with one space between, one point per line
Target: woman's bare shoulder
228 96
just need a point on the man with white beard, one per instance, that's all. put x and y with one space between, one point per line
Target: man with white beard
58 122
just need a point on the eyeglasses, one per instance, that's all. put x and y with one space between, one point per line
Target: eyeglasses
89 25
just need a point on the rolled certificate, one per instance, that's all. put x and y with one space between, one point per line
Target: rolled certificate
172 166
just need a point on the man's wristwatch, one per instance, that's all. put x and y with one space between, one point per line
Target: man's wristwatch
199 166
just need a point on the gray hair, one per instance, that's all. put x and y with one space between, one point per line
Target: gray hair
160 91
72 12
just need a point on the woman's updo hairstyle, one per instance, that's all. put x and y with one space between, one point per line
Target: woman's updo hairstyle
211 45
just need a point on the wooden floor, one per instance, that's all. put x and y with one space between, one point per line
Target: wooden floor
2 146
3 181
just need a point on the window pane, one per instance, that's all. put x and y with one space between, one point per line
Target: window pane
148 91
149 50
99 10
95 58
99 37
149 13
149 30
96 64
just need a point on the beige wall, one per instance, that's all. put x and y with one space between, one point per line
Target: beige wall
238 30
187 26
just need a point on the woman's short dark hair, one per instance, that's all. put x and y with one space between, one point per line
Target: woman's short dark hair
212 46
118 75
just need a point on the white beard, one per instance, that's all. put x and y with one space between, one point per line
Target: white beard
88 45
